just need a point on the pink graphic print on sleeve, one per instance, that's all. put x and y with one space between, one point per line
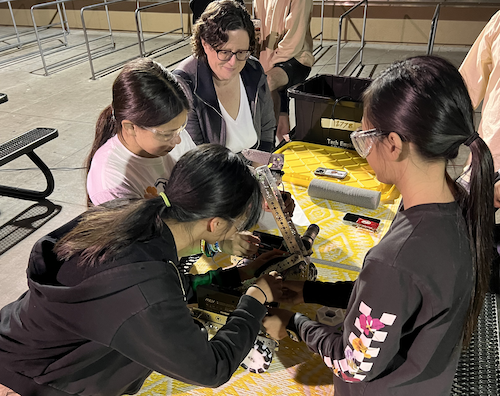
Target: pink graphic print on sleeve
366 345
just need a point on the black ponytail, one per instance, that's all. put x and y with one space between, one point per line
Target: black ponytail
480 217
424 99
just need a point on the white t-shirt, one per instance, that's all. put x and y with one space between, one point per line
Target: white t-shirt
240 133
116 172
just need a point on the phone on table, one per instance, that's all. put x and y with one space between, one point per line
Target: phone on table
336 173
366 222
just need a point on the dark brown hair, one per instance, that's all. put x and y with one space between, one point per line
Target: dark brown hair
424 100
145 93
219 18
208 181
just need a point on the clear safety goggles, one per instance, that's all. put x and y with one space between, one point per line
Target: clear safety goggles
363 140
166 136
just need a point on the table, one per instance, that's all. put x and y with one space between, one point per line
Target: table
338 255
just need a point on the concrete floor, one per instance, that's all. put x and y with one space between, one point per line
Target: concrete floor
70 101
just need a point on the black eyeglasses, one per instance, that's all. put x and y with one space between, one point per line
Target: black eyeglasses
225 55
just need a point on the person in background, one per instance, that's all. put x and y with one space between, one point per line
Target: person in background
107 305
140 137
416 301
481 72
285 50
198 6
230 101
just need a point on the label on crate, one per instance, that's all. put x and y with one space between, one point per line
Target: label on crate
344 125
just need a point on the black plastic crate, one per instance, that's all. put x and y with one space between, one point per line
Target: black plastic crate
328 108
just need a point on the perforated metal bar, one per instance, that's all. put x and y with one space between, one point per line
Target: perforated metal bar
478 371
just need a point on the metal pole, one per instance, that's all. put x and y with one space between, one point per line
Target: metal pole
15 26
65 17
182 19
337 60
363 34
39 42
341 19
87 44
58 5
432 36
140 36
109 24
322 22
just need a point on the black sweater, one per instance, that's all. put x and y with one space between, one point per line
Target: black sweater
403 326
102 331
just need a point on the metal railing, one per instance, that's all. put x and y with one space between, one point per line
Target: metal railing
140 33
339 38
35 35
61 11
16 32
112 46
432 34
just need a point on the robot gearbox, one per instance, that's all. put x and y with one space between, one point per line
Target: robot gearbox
215 304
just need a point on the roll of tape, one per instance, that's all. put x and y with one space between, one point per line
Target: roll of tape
338 192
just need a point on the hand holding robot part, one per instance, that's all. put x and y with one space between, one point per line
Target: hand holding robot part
276 321
289 203
267 288
243 244
247 271
293 292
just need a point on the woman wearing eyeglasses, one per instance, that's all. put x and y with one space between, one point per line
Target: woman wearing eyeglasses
231 102
106 304
417 298
140 137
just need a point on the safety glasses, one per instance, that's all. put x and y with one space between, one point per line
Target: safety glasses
363 141
165 136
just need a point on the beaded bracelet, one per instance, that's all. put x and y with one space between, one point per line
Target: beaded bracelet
210 250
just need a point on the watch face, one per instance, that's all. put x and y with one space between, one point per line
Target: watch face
292 335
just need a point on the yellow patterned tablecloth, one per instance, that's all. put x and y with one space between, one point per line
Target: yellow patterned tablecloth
294 369
338 254
337 242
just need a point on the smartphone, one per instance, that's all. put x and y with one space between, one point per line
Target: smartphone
366 222
337 174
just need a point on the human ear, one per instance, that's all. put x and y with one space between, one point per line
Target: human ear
395 146
213 224
128 127
205 45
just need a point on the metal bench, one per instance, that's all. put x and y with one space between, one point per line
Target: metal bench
25 144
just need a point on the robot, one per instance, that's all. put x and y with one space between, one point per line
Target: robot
216 303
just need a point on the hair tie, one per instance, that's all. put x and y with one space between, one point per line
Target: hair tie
471 138
165 199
